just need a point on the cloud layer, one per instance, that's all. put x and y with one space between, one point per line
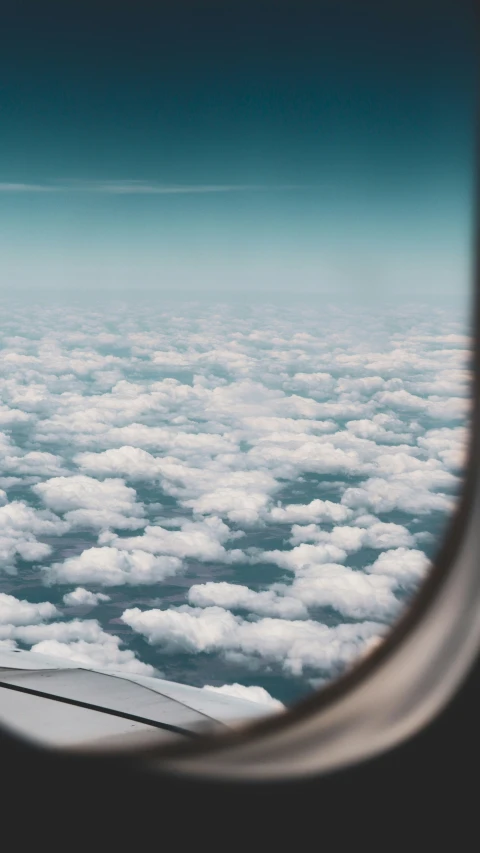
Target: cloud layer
236 491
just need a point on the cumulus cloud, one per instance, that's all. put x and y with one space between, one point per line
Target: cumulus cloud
303 556
104 653
83 641
351 593
81 597
238 597
382 495
87 502
317 510
132 462
19 527
377 535
446 444
407 566
111 567
34 463
294 645
238 505
14 611
252 693
197 540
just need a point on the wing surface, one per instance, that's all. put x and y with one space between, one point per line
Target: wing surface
62 703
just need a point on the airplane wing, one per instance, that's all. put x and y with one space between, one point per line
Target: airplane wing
62 703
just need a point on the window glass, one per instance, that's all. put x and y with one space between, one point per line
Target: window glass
235 283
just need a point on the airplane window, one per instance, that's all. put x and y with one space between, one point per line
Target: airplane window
235 341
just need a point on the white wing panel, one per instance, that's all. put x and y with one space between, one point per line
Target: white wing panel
53 723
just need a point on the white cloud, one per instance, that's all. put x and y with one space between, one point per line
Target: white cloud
137 187
19 527
9 417
20 517
103 654
238 505
80 597
235 596
377 535
303 556
197 540
35 462
77 492
294 645
111 567
89 503
79 640
428 474
132 462
351 593
316 511
382 495
448 445
101 519
13 611
406 566
252 693
310 456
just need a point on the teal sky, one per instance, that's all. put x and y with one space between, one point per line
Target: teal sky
244 147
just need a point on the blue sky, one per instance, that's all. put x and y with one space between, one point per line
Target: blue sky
324 148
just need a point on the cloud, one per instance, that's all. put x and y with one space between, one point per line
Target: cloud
157 440
11 187
382 495
132 462
310 456
406 566
80 597
296 646
238 505
103 654
87 502
378 535
19 527
446 444
10 417
136 187
252 693
69 493
111 567
302 556
196 540
351 593
35 462
316 511
13 611
83 641
238 597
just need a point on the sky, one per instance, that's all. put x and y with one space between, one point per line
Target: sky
240 149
